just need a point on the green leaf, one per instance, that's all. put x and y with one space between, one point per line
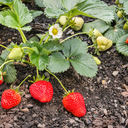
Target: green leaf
122 1
126 7
32 44
53 46
7 2
115 33
85 65
121 45
52 4
35 13
17 18
5 53
22 13
39 3
10 71
58 63
26 28
3 14
97 24
73 47
34 39
98 9
40 61
76 12
53 12
69 4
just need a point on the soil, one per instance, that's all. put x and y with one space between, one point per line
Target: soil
105 95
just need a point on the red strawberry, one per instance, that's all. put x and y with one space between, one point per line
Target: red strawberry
10 98
1 79
41 91
74 103
127 41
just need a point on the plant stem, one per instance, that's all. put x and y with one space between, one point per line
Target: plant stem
5 63
4 47
27 48
24 80
47 39
67 27
22 35
57 80
69 18
91 45
37 71
42 38
73 35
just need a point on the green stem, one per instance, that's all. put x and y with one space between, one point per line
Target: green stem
42 38
22 35
47 39
37 71
73 35
57 80
69 18
5 63
4 47
24 80
67 27
27 48
91 45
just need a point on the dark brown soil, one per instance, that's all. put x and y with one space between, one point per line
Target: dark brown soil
107 106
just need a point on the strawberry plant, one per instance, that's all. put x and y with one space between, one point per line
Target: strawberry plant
116 30
50 53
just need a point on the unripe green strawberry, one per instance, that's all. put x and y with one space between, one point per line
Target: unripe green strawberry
74 103
15 54
96 33
120 5
98 62
78 23
62 20
117 2
119 14
125 27
103 43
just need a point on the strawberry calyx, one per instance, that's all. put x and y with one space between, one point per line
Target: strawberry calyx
38 77
67 93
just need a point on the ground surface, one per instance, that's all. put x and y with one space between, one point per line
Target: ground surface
107 106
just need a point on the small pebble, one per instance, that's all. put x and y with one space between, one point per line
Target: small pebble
115 73
25 110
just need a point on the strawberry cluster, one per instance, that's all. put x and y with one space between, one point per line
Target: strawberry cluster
42 91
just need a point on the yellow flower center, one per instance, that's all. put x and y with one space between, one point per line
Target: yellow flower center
54 31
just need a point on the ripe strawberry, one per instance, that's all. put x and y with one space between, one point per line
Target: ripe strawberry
127 41
1 79
10 98
41 91
74 103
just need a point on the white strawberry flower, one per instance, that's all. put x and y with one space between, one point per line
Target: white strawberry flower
55 31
